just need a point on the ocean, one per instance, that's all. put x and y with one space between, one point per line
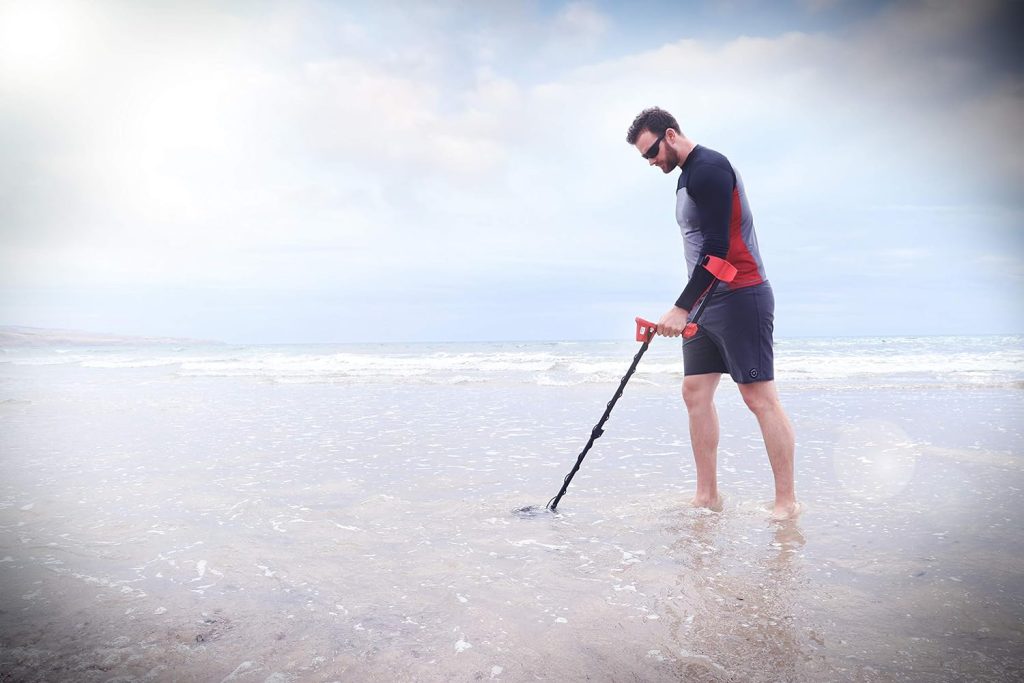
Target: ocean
345 512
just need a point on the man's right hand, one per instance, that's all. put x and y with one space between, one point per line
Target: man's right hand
673 322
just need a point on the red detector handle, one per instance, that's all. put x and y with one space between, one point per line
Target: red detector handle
720 268
722 271
645 330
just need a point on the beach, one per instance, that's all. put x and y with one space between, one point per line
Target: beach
345 513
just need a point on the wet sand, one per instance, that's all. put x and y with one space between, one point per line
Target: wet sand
154 527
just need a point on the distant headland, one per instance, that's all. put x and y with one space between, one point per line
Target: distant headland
39 336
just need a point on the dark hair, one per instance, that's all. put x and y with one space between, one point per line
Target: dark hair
654 119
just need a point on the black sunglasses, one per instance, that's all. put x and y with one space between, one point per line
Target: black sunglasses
653 150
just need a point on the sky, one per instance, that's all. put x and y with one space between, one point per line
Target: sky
306 172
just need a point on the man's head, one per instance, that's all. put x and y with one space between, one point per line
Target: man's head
656 135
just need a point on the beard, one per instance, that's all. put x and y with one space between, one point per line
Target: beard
671 160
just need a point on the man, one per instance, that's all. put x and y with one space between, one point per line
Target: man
735 333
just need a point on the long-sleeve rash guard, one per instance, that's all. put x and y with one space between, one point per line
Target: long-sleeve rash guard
714 218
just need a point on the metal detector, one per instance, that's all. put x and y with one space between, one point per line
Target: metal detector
723 271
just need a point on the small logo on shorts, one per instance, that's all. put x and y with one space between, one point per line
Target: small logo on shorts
753 373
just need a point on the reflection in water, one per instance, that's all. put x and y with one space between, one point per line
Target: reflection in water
743 597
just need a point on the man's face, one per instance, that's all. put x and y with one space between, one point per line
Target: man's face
666 158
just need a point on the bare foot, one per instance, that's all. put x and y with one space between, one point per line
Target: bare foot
715 505
781 513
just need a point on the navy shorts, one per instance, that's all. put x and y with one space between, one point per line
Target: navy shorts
735 336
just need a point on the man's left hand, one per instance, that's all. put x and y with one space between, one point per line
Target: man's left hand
673 322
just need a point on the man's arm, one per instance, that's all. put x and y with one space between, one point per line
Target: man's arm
711 187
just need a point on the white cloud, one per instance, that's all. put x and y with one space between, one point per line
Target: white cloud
299 147
581 21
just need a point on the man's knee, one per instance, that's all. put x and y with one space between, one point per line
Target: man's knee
699 392
760 397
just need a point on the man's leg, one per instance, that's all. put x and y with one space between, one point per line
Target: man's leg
699 397
779 440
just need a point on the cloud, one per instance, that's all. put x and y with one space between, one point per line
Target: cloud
319 147
582 22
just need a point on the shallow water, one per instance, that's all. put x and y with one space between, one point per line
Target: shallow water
161 523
